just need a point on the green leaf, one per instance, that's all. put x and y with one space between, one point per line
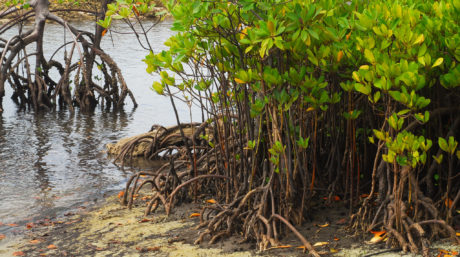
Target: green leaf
369 56
443 144
363 89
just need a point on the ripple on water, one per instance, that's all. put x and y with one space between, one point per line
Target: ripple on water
52 161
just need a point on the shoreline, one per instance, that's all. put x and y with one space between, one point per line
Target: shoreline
110 229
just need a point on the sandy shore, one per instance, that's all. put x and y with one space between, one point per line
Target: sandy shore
110 229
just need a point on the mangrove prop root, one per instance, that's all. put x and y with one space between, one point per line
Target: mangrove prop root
39 89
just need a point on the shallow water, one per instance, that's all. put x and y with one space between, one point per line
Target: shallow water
53 161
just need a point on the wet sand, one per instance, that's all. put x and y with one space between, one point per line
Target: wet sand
110 229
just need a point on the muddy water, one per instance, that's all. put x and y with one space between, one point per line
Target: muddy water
52 162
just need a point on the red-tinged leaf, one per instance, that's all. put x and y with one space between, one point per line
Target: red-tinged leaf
145 220
2 236
323 225
12 225
135 10
121 194
34 241
195 215
364 195
51 246
30 225
212 201
20 253
336 198
341 221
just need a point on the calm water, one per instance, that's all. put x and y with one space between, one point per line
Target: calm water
51 162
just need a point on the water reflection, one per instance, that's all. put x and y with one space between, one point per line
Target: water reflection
52 161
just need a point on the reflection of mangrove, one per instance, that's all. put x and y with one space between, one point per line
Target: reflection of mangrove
33 84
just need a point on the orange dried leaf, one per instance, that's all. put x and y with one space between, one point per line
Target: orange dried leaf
281 246
51 247
143 176
2 236
104 32
153 249
195 215
321 243
378 237
323 226
121 194
339 55
448 203
458 233
34 241
212 201
378 233
336 239
301 247
30 225
12 225
43 254
20 253
336 198
348 35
